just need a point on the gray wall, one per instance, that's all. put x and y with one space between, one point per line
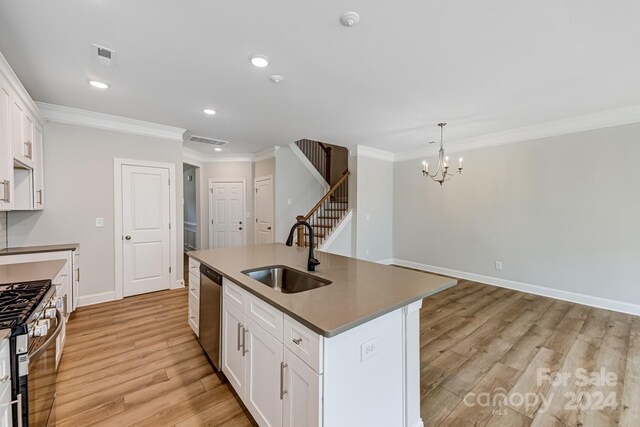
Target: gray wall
265 167
374 208
79 187
189 194
559 212
294 182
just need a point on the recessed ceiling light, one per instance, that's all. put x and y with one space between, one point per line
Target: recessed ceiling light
259 60
209 111
98 84
217 149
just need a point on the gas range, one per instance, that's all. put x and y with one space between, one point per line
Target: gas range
31 312
18 301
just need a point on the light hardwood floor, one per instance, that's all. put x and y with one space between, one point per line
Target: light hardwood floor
136 362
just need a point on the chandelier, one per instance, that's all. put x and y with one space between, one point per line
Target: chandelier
442 173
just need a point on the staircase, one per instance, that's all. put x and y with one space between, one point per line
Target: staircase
326 214
319 155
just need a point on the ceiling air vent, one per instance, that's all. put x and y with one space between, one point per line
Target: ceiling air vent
106 56
203 140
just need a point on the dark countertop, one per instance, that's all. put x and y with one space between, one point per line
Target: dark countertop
36 249
360 292
30 271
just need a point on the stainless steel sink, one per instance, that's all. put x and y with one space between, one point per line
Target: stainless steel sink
286 280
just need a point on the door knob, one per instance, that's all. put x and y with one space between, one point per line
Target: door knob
268 228
240 228
127 237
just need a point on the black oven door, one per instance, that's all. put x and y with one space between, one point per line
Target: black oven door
41 378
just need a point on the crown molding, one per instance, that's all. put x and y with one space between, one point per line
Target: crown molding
75 116
16 84
374 153
603 119
190 155
266 154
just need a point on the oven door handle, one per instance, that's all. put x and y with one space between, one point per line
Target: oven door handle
36 353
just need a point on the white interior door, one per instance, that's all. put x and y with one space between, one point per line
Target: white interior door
226 213
264 210
146 229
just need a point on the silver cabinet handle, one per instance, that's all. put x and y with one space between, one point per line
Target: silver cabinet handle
244 341
18 403
39 197
6 184
240 327
78 274
283 366
297 341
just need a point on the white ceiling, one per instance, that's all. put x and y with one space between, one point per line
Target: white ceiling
483 66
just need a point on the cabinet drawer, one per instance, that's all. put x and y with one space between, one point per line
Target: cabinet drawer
269 318
194 267
233 294
194 315
304 343
194 286
5 407
4 362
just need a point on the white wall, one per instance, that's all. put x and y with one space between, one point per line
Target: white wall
559 212
374 207
293 182
79 187
339 243
264 167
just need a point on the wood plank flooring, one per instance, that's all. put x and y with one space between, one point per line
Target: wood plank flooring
135 362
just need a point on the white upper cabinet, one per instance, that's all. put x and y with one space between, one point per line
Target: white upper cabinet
6 160
21 146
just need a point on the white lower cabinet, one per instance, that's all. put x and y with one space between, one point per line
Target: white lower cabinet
233 354
194 296
303 397
276 386
265 373
5 384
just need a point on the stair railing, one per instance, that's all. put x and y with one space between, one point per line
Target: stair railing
319 155
327 212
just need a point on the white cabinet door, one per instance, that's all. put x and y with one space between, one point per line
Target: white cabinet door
38 169
6 160
303 399
233 359
18 143
75 288
264 376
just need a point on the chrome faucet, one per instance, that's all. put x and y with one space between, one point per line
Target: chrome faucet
312 262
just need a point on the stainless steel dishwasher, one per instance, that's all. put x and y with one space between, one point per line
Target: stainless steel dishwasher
210 317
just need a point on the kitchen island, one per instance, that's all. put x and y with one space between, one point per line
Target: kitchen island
343 354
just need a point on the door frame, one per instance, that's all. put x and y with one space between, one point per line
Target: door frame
117 220
255 207
244 206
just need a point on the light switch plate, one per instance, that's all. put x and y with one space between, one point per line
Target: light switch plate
99 222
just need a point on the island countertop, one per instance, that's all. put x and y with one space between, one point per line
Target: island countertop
361 290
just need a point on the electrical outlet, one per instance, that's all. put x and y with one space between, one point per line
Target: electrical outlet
368 349
99 222
498 265
367 217
289 202
366 251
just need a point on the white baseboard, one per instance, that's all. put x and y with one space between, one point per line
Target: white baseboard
590 300
96 298
179 284
387 261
